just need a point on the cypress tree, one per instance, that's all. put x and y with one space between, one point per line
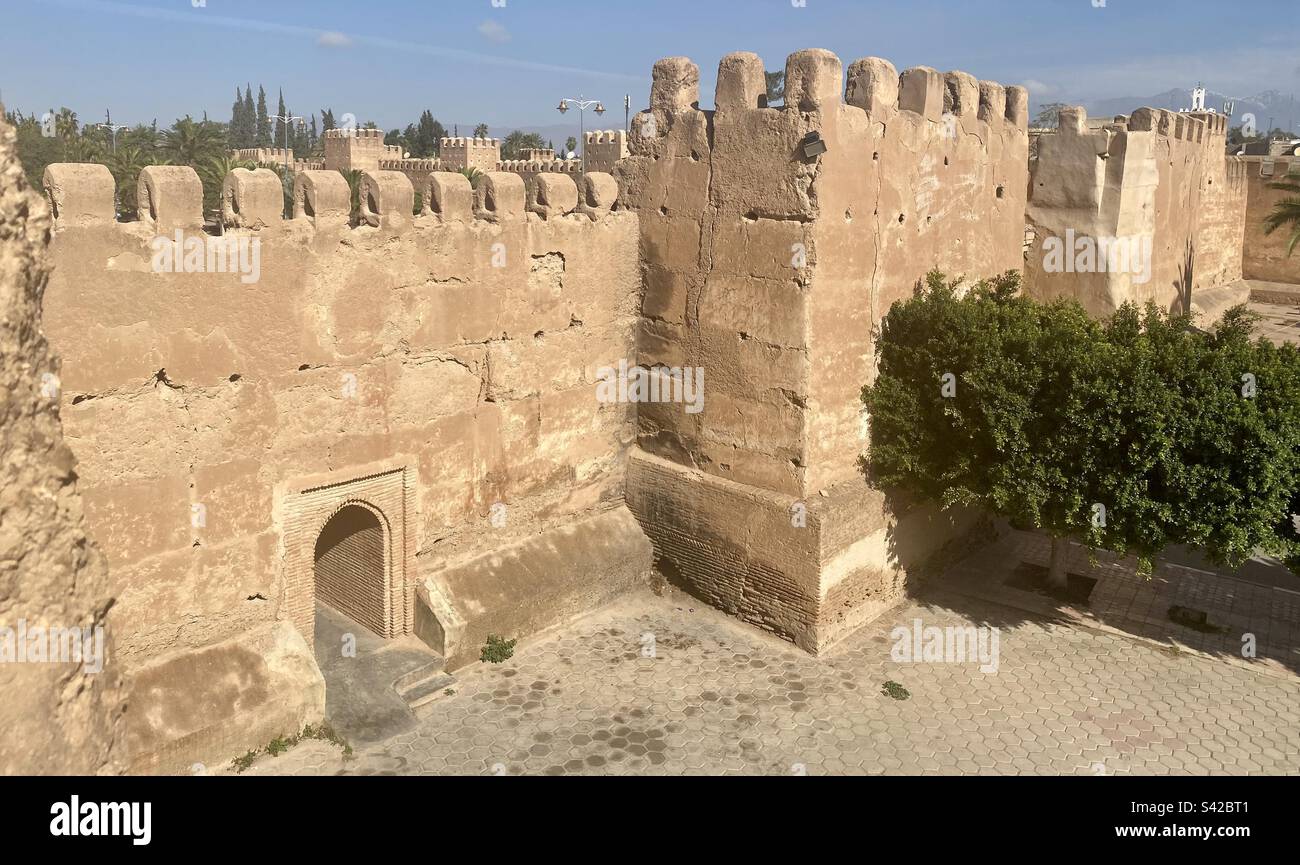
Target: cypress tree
263 135
237 121
281 111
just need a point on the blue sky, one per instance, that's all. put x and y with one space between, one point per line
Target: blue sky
473 61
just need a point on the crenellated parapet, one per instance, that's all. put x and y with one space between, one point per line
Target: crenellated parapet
408 165
264 155
554 166
357 149
1139 208
457 154
80 192
233 387
252 199
387 199
604 148
171 197
820 213
775 240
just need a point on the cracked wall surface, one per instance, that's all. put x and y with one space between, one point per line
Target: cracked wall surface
460 346
770 266
57 717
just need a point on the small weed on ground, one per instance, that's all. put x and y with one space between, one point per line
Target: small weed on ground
282 743
497 650
895 690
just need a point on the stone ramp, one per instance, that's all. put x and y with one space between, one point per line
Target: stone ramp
1209 305
525 588
373 686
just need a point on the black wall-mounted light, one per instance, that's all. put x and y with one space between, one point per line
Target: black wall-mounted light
813 145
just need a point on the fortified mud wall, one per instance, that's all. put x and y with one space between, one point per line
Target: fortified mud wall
60 715
1157 182
1266 255
769 264
437 370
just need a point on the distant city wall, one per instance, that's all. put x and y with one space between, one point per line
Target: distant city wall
1146 208
1266 255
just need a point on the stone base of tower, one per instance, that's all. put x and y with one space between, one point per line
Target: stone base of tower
809 572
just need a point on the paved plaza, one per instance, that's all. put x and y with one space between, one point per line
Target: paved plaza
663 685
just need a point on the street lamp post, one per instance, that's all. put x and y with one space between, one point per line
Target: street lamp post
289 164
582 105
288 121
111 127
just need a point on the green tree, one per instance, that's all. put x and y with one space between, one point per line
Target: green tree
197 145
775 87
262 132
249 130
1241 453
973 405
126 164
36 150
1130 434
281 131
481 131
1286 213
570 146
353 178
213 173
1049 115
428 137
517 142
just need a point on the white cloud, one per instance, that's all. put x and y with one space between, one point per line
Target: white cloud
494 31
333 39
185 17
1039 88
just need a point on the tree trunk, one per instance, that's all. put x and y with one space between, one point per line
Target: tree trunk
1056 565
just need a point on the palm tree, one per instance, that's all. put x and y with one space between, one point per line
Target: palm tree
353 178
125 166
193 144
213 174
473 175
1286 213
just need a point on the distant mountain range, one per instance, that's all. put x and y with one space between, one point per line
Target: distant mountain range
1282 108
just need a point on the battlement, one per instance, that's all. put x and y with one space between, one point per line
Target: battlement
264 155
813 79
539 154
404 164
776 239
604 148
470 142
360 134
171 197
562 166
482 154
1156 180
